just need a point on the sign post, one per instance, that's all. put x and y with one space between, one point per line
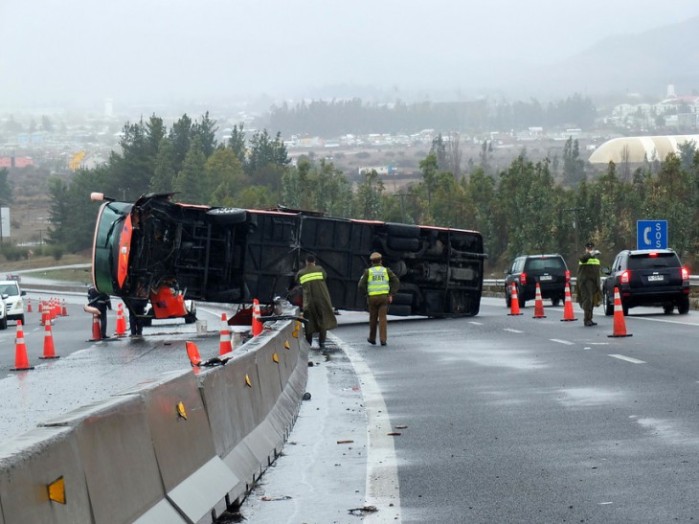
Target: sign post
651 234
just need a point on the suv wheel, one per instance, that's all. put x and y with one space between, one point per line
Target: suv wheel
683 305
625 308
3 323
608 305
667 308
555 301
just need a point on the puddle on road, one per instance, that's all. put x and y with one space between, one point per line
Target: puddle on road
667 430
584 397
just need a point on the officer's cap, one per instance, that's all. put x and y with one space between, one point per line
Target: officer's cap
590 245
375 256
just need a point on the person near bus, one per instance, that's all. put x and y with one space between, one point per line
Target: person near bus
378 284
588 284
317 305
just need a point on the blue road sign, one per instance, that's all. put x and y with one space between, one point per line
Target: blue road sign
651 234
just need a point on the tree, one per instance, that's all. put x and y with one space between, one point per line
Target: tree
188 182
224 178
164 173
237 142
206 131
5 187
181 136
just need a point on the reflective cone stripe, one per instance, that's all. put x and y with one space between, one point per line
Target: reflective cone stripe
120 322
538 303
568 313
21 358
49 348
29 305
619 322
514 301
64 309
256 323
224 344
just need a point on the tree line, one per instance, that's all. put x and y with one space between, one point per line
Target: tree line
339 117
520 209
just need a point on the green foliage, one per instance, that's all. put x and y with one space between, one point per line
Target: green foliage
5 188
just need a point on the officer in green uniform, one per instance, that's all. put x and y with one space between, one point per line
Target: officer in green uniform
317 306
378 284
588 285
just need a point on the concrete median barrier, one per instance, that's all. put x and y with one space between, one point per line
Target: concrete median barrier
178 448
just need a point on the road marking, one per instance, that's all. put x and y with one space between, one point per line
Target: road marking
627 359
382 489
667 321
476 323
566 342
598 343
513 330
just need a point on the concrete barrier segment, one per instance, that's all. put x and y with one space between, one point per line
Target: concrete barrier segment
118 458
32 461
184 447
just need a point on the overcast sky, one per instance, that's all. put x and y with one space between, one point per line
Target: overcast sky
84 51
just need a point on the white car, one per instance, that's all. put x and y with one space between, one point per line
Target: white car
12 297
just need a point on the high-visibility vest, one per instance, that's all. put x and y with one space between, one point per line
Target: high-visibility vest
592 261
308 277
377 283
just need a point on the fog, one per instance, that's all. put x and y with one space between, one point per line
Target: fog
79 52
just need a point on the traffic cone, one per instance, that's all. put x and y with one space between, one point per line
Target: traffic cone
568 313
256 324
21 358
64 309
49 349
120 329
619 322
96 328
514 301
29 305
538 303
224 345
193 353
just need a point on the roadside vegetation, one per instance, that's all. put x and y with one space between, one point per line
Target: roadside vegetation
523 208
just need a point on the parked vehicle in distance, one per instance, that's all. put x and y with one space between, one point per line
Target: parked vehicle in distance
647 277
12 297
549 270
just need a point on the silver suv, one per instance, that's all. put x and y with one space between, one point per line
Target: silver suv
12 297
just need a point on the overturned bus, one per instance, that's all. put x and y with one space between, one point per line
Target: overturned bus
161 251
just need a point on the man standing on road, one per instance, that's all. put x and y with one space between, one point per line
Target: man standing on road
378 284
317 306
588 285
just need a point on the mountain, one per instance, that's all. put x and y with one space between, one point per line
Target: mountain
641 63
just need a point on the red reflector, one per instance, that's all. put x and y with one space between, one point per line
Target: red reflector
523 279
653 254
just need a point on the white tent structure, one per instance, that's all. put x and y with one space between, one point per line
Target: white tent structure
639 149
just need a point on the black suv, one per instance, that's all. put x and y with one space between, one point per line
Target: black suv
550 271
647 277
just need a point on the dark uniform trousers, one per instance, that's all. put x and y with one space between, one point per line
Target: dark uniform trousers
378 309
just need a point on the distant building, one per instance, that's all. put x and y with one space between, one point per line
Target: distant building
639 149
16 161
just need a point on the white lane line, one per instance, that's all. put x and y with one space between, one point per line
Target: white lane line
627 359
382 489
666 321
476 323
513 330
566 342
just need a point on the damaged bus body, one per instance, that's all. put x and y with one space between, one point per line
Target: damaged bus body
164 251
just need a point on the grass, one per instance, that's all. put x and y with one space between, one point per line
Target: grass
81 275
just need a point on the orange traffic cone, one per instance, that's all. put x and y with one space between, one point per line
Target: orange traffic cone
49 349
514 301
21 358
224 345
120 329
538 303
96 328
193 353
256 323
29 305
568 313
64 309
619 322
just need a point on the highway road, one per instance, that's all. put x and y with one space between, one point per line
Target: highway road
496 418
492 418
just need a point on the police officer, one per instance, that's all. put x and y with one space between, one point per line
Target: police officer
588 285
102 302
378 284
317 306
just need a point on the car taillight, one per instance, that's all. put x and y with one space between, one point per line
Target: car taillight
625 277
685 273
567 273
523 279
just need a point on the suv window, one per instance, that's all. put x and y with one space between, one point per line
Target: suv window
9 289
546 264
650 261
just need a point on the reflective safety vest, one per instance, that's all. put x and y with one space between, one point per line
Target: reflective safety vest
592 261
377 283
308 277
